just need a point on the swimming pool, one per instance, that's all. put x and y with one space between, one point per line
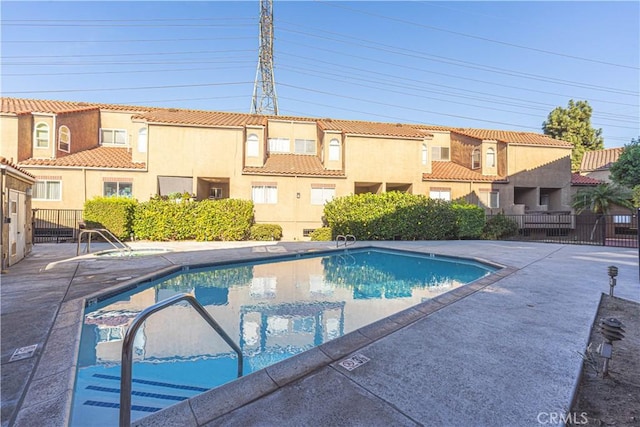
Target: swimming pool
272 309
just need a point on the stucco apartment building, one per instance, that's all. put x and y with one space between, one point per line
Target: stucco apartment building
288 166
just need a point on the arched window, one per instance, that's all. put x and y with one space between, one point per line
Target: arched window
142 140
475 158
491 158
64 139
41 136
334 150
252 145
424 154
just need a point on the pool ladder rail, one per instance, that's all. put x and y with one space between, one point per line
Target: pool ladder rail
107 235
126 367
347 240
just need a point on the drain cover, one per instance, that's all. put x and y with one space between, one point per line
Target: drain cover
354 361
23 353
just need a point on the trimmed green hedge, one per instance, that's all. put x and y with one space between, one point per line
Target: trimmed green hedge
207 220
470 220
113 213
321 234
265 232
391 215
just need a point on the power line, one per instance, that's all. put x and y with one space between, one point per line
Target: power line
125 88
419 95
500 97
464 64
548 52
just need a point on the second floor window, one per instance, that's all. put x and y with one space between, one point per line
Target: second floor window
279 145
334 150
253 149
305 146
440 153
64 139
142 140
113 137
491 158
41 136
424 154
475 158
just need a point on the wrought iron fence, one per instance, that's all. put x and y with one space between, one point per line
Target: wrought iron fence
55 225
584 229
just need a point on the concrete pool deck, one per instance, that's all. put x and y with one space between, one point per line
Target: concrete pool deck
504 351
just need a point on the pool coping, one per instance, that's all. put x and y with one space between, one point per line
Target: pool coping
49 394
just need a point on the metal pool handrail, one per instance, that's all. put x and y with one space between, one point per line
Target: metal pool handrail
101 232
126 367
345 239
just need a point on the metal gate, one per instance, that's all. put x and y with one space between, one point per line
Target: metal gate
56 225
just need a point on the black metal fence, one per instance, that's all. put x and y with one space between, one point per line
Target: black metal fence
584 229
56 225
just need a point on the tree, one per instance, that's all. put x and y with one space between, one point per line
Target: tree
573 124
626 171
600 199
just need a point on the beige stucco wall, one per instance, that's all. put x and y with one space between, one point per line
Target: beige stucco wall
80 185
9 137
369 159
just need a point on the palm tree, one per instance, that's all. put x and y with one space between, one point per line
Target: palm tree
600 199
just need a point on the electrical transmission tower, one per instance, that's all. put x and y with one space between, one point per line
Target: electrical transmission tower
265 100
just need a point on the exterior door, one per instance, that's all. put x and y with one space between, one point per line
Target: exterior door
17 226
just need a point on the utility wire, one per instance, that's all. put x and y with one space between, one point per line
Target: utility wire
127 88
465 64
504 43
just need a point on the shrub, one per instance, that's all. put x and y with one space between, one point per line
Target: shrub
223 219
116 214
321 234
207 220
265 232
391 215
163 219
470 220
499 226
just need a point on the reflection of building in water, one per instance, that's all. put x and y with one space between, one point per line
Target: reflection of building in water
273 332
271 309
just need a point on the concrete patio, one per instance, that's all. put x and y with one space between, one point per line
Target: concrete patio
500 351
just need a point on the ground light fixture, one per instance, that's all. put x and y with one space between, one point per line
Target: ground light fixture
611 330
613 272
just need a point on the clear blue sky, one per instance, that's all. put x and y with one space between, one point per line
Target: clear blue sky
501 65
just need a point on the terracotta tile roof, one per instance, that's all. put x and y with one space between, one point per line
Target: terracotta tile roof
201 118
293 164
4 161
577 179
100 157
600 159
21 106
450 171
374 128
515 137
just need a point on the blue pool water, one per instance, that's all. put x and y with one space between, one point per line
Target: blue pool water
273 310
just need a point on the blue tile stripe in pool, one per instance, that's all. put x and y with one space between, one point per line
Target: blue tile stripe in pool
137 393
154 383
117 405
